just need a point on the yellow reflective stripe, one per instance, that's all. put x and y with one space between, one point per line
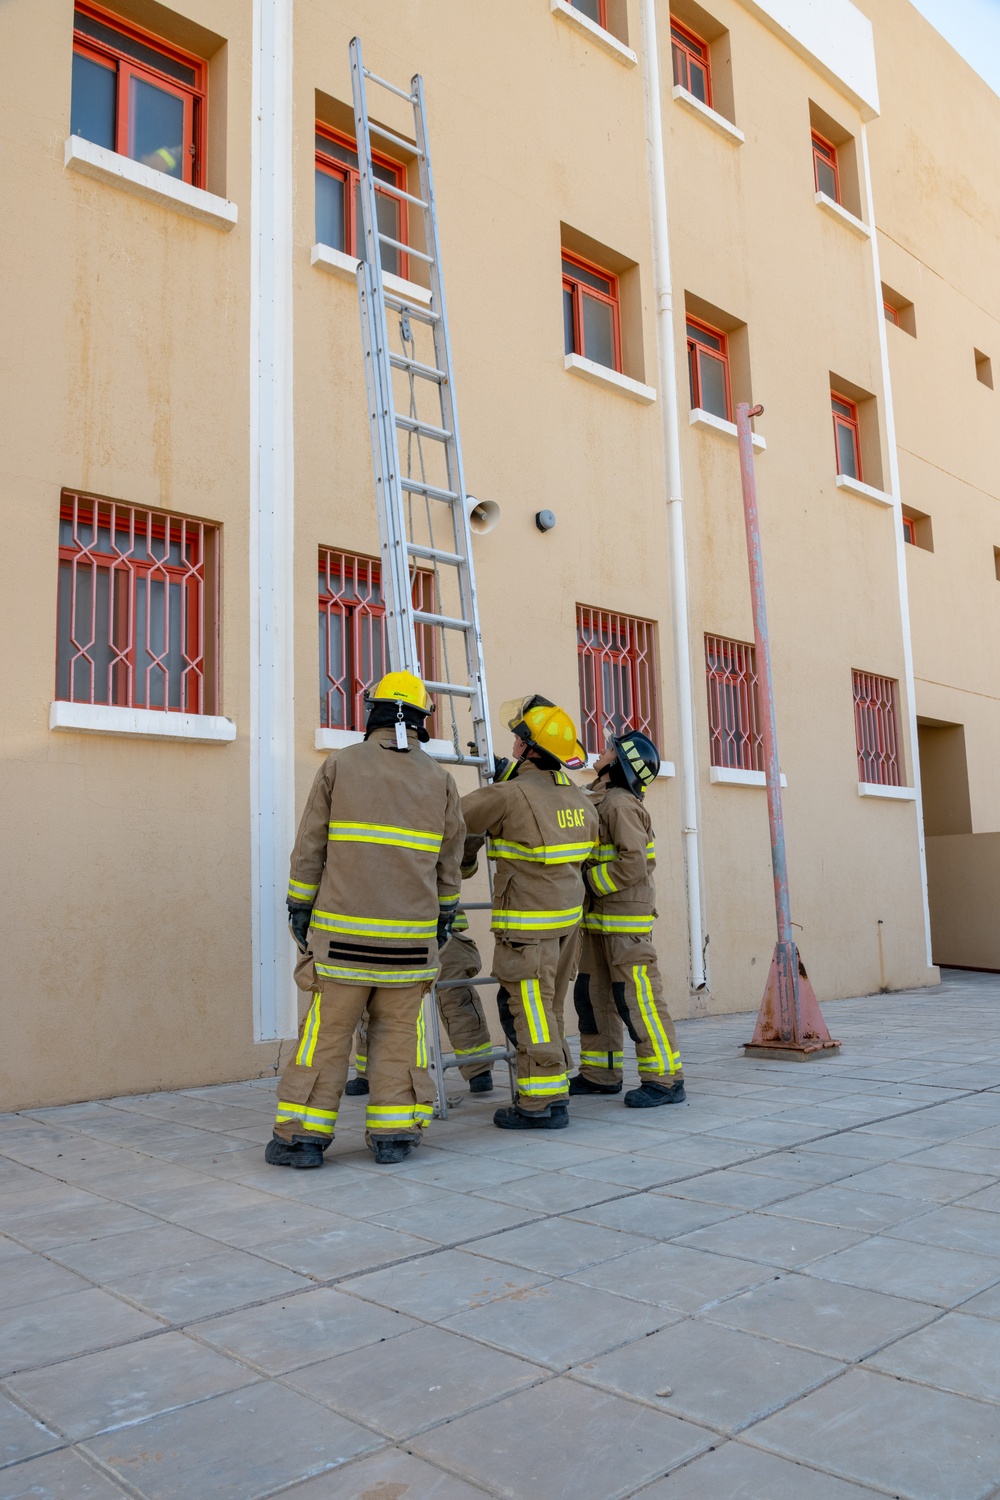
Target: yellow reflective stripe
540 854
342 832
373 976
461 923
397 1116
606 852
651 849
360 1059
391 927
320 1120
543 1083
597 921
531 999
448 900
310 1031
602 881
529 921
421 1038
473 1051
561 779
667 1060
299 891
600 1059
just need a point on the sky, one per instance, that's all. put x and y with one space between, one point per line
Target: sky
973 29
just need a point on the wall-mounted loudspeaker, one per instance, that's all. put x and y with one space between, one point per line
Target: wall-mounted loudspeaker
483 514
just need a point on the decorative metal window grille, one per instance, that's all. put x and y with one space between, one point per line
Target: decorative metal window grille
137 609
876 725
735 739
617 662
352 650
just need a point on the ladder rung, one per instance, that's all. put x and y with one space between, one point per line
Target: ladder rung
435 554
452 689
412 424
387 239
446 622
460 760
418 313
390 135
432 491
429 372
397 192
392 87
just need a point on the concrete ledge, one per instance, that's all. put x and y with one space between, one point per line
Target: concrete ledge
338 739
141 723
340 264
698 417
710 116
156 187
588 369
594 32
729 776
864 491
893 793
838 211
667 767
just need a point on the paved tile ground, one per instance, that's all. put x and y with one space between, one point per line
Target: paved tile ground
786 1289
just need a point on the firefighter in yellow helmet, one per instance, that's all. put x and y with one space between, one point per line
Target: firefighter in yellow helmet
372 894
539 828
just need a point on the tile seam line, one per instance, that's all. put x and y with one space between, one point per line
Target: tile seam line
799 1462
87 1458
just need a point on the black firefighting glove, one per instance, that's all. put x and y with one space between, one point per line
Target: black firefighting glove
298 924
445 923
503 768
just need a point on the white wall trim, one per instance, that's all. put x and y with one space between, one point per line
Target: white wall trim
711 117
893 793
729 776
588 369
834 37
272 702
698 417
145 182
326 740
838 211
596 33
341 264
141 723
865 491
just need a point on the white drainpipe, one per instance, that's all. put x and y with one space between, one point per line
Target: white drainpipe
667 356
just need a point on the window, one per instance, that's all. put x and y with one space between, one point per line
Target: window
984 369
594 10
591 320
846 436
352 653
692 70
338 200
910 530
617 661
891 313
708 369
825 168
137 619
876 728
735 739
136 95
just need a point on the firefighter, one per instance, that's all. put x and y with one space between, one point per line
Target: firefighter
461 1011
372 895
618 979
540 828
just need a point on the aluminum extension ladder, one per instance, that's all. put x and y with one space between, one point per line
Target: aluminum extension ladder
411 406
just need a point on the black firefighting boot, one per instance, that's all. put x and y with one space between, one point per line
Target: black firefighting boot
649 1095
388 1151
356 1086
300 1154
556 1117
581 1085
481 1083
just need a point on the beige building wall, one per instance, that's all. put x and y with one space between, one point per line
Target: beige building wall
129 887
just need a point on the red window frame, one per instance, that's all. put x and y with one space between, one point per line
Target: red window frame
825 151
700 340
351 177
876 727
735 737
910 530
602 12
350 590
127 67
686 48
846 419
579 288
891 314
616 657
137 551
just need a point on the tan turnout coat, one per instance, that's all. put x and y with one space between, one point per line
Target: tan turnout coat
619 874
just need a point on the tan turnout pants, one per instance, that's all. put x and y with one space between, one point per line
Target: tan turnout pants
618 985
534 975
461 1012
401 1099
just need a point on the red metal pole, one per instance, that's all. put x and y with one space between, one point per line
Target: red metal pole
789 1023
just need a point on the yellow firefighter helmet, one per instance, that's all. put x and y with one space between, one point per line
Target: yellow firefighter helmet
402 688
546 726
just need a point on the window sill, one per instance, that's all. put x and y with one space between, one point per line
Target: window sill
594 32
698 417
837 211
865 491
156 187
667 767
710 116
141 723
340 264
338 739
587 369
893 793
728 776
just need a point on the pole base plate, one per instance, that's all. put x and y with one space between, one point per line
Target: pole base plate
793 1052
